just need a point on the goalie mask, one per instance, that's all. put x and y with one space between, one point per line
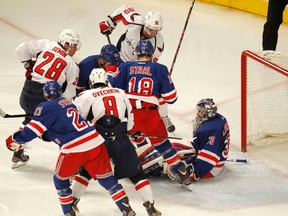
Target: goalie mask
206 109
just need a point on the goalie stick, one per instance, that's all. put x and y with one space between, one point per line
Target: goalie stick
6 115
182 35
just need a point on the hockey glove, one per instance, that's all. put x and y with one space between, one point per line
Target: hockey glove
12 145
136 135
106 27
29 68
111 68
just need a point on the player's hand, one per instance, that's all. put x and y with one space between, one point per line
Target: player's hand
12 145
136 134
29 64
106 27
29 68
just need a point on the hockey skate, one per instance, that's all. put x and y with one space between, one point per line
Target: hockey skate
127 211
151 210
168 124
75 205
71 213
181 173
19 159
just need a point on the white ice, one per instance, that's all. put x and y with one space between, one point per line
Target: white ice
208 65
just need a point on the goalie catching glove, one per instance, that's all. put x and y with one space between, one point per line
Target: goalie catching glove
12 145
106 27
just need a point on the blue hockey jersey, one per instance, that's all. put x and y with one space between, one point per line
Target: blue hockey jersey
211 142
86 66
62 124
146 79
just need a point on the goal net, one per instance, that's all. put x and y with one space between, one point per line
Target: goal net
264 98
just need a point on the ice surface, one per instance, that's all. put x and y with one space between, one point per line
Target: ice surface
208 65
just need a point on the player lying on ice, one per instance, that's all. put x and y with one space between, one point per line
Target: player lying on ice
206 154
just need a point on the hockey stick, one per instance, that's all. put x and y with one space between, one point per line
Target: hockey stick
182 35
108 38
152 136
6 115
238 160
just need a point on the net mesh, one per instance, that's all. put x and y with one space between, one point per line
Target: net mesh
267 100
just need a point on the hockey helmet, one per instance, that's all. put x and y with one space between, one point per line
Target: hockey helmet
206 108
98 75
69 36
153 20
144 47
52 89
111 54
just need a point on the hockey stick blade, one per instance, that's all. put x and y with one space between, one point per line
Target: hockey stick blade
6 115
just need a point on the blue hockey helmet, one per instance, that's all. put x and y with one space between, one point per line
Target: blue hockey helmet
52 89
111 54
144 47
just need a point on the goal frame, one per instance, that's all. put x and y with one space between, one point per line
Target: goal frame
244 56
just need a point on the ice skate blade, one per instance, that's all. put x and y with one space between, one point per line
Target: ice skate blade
18 164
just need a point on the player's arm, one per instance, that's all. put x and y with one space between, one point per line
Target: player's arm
208 156
72 77
168 91
159 47
125 14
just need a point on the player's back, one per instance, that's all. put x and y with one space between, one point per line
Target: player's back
95 103
145 78
63 122
86 66
217 128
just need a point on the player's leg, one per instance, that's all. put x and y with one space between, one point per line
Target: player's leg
163 109
31 96
67 165
99 168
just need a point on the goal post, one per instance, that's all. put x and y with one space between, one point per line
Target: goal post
264 98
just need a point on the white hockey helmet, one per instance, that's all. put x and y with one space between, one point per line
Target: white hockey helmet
98 75
69 36
153 20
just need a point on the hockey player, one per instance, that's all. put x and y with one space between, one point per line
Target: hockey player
108 59
110 109
58 120
209 149
51 61
145 82
211 140
138 28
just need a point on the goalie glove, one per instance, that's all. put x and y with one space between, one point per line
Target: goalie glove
106 27
12 145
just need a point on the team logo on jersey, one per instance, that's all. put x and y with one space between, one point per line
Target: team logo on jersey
160 49
38 111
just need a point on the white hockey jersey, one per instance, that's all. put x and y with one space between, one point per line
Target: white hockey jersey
52 63
135 23
105 101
